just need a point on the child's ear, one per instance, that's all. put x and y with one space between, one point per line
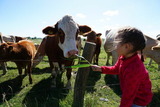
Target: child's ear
129 46
126 45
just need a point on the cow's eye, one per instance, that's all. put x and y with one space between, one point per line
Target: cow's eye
61 38
60 32
61 35
77 34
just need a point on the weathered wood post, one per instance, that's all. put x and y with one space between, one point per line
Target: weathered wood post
82 74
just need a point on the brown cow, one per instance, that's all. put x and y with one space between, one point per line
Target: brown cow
95 38
9 38
60 46
22 53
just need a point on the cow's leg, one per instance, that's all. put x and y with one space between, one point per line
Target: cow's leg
29 69
114 57
4 67
55 69
26 70
108 57
97 56
150 62
68 74
114 60
59 75
94 59
51 65
19 69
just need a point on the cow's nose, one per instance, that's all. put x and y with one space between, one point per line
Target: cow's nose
72 53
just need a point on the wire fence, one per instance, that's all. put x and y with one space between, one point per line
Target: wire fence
47 65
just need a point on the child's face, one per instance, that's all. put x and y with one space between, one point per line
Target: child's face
124 49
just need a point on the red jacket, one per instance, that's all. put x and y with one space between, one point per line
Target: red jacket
134 81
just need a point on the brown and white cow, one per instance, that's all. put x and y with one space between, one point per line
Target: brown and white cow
22 53
95 38
152 49
60 46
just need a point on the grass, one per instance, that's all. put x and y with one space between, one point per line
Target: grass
15 91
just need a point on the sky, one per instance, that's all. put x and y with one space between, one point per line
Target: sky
27 18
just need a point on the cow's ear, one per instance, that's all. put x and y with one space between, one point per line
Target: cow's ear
84 29
98 34
49 30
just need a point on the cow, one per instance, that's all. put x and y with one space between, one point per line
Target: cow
150 62
3 64
108 52
152 49
95 38
9 38
21 53
108 43
60 46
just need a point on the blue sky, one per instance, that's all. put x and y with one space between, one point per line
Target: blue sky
28 17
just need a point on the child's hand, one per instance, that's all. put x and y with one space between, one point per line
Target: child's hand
96 68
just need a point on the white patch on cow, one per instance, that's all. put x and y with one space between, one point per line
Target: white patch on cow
110 40
70 28
9 38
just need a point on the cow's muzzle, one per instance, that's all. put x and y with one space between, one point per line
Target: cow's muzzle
72 53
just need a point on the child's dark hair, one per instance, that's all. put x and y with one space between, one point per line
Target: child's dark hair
134 36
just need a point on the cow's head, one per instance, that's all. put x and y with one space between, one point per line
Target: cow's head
67 31
18 38
153 53
92 36
5 49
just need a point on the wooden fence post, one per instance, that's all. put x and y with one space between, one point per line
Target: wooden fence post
82 74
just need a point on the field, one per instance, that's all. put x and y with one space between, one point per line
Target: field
15 91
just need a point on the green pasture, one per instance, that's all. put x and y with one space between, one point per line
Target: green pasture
15 91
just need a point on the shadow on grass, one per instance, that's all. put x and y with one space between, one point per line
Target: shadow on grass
8 68
35 71
155 100
10 88
113 83
11 68
41 71
93 77
42 95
